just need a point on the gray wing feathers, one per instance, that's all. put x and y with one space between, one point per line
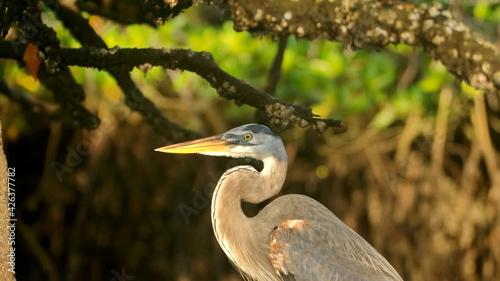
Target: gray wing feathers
315 245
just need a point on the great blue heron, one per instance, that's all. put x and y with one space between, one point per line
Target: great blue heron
294 237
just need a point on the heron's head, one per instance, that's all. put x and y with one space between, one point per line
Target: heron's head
252 140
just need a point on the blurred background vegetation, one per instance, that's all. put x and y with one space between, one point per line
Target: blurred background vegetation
417 173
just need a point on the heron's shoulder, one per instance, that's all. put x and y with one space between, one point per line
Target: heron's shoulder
297 198
300 207
294 202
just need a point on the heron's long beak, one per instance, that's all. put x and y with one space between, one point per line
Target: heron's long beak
204 145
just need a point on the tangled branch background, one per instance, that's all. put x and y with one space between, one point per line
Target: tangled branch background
416 85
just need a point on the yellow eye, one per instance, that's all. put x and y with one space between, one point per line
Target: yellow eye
247 137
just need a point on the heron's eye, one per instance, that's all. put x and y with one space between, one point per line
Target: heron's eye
247 137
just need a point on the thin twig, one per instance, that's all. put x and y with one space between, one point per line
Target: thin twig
483 136
441 129
134 98
275 71
30 103
39 252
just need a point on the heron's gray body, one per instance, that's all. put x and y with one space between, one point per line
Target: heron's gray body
294 237
326 249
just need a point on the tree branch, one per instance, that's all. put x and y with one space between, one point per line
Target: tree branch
28 102
279 112
275 71
202 63
363 23
57 78
153 12
134 98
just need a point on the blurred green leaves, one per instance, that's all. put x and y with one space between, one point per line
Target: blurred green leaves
335 82
487 11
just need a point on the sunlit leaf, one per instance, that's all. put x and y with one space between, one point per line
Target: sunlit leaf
432 83
384 118
467 89
31 60
97 23
481 10
495 15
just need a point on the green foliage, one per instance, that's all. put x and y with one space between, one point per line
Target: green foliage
335 82
487 11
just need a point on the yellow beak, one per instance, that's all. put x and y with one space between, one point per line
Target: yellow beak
204 145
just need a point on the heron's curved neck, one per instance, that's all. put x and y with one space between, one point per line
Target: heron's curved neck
236 233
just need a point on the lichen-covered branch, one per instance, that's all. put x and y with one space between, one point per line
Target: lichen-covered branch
58 78
134 98
153 12
201 63
369 23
